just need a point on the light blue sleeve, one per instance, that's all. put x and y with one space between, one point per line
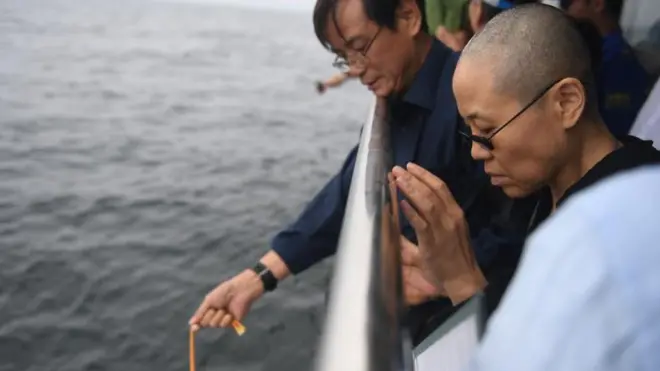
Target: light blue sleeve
587 293
647 123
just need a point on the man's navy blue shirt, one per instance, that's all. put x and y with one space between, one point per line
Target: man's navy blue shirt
424 124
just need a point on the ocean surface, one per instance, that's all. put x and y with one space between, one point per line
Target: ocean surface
147 152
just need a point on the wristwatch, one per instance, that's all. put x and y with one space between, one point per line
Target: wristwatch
267 277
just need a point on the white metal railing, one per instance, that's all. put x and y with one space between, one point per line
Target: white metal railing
363 329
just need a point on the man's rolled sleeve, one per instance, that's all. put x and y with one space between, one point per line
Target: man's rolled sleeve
314 235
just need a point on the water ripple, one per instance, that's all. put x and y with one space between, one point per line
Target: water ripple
147 151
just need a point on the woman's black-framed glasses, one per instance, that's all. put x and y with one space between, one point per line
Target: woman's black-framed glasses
486 141
357 59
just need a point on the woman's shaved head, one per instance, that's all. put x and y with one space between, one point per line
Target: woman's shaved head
528 47
525 83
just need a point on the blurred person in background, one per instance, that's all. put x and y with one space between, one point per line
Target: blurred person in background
647 123
622 81
476 13
482 11
334 81
448 20
387 47
594 42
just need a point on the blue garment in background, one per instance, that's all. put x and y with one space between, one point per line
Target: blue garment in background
623 84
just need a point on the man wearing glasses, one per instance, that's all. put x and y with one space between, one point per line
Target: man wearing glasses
386 46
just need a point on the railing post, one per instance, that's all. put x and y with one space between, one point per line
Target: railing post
363 329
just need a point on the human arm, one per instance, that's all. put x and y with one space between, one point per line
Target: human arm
314 234
312 237
455 40
332 82
442 232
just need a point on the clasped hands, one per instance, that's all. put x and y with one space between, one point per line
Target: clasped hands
444 263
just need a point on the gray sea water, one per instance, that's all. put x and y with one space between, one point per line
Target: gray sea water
148 151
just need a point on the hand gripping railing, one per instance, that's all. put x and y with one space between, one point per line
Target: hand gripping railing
363 329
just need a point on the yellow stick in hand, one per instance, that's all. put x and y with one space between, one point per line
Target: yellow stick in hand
238 327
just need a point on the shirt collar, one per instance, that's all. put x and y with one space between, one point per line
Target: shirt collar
424 88
634 152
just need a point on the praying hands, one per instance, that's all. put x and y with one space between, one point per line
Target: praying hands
442 233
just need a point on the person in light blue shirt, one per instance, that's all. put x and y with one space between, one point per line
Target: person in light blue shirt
647 123
587 293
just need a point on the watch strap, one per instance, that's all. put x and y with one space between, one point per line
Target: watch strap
267 277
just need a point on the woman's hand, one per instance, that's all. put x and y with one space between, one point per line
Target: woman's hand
442 232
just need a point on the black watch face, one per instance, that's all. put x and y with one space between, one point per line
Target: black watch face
259 268
269 280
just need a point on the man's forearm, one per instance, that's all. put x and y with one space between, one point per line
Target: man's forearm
313 236
276 265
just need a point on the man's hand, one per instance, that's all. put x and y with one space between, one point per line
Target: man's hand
417 285
442 232
454 40
231 300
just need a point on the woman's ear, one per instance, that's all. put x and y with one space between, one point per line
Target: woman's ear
570 100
